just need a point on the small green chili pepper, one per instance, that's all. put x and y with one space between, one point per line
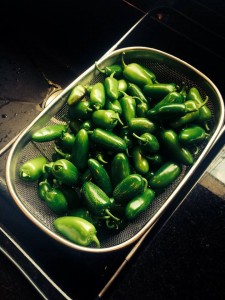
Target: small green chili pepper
87 125
139 204
77 93
142 108
158 91
65 171
171 97
55 200
120 168
96 200
128 188
108 140
113 105
205 113
81 110
111 85
140 163
165 175
97 96
105 118
135 73
122 86
100 176
32 169
80 150
141 125
136 91
67 139
77 230
108 70
128 105
49 133
192 134
170 142
148 142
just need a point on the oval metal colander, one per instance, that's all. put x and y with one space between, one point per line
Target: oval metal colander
167 69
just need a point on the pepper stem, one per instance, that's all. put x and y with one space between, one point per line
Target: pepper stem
138 137
111 215
123 62
100 70
96 241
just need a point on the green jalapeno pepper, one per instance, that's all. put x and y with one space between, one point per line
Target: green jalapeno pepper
170 111
43 187
141 125
77 230
165 175
87 125
67 139
205 113
128 188
32 169
135 91
49 133
108 70
171 97
148 142
128 105
135 73
81 110
97 96
77 93
142 108
120 168
54 199
96 200
108 140
65 171
170 142
192 134
113 105
188 118
140 163
139 204
111 85
158 91
105 118
122 86
80 150
100 176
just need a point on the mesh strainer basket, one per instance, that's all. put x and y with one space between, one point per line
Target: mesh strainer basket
167 69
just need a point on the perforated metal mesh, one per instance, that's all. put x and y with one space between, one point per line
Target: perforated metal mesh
26 193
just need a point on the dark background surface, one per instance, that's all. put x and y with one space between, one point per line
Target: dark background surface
47 45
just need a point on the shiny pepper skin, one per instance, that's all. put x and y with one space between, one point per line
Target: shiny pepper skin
32 169
77 230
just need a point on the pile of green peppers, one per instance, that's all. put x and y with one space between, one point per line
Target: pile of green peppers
126 139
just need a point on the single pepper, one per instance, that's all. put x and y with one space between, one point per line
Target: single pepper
122 86
97 96
120 168
141 125
65 171
171 97
134 90
81 110
128 188
139 204
54 198
193 134
111 85
148 142
97 201
142 108
100 176
128 105
80 150
158 91
135 73
32 169
113 105
108 70
49 133
67 139
77 230
169 141
77 93
165 175
105 118
140 162
108 140
205 113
